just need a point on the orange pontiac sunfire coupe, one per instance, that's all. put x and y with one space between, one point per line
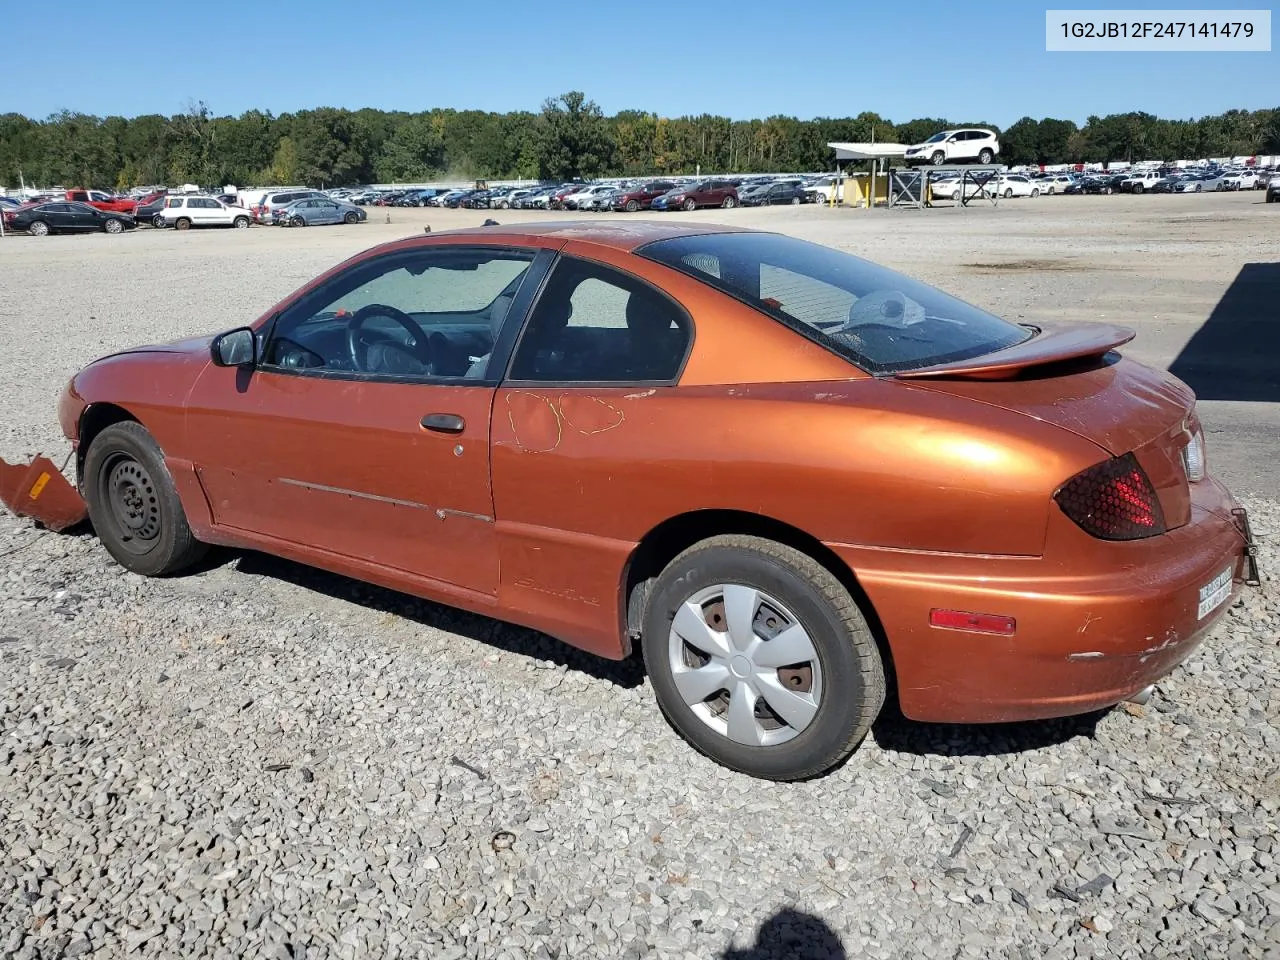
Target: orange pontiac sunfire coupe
791 476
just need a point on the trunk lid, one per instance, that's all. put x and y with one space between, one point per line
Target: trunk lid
1122 406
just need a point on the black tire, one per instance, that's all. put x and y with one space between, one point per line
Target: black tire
690 204
351 217
38 228
632 206
240 223
850 662
1138 188
1008 192
157 221
937 158
1199 187
134 505
183 223
795 200
729 203
112 225
297 222
985 155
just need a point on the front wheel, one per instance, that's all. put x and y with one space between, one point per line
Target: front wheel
1138 188
1008 192
795 201
240 223
1035 192
1199 187
351 217
113 226
761 659
157 221
690 204
937 158
297 222
133 504
632 206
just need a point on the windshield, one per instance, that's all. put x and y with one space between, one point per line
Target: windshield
880 320
937 136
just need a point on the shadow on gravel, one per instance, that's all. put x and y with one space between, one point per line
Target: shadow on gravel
1235 355
624 673
893 731
792 935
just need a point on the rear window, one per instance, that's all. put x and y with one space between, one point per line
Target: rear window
878 319
174 202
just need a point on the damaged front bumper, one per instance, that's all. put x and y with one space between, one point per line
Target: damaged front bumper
39 491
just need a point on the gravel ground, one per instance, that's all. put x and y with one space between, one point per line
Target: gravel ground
260 760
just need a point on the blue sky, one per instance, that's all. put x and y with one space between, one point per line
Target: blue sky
979 61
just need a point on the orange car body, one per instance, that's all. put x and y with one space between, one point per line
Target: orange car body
928 491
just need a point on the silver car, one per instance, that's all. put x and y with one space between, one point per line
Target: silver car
315 211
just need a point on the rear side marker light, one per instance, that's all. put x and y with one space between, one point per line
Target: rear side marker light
973 622
1113 500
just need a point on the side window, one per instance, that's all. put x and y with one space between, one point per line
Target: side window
423 315
594 324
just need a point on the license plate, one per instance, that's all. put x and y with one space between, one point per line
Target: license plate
1214 593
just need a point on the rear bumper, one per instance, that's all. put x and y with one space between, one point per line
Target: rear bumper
1092 628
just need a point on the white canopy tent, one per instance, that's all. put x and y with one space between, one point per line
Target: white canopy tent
879 154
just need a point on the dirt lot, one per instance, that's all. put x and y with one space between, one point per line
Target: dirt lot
259 760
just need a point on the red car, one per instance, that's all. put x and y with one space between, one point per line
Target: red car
787 476
642 197
705 193
102 201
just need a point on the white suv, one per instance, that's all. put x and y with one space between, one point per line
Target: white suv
189 211
956 146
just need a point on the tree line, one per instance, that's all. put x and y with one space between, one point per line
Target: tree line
570 136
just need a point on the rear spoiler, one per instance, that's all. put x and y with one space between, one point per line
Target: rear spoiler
1073 342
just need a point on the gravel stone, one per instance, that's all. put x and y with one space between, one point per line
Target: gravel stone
139 819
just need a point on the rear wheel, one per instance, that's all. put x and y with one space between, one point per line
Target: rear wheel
761 659
985 155
113 226
157 221
241 223
134 505
1008 192
38 229
729 203
795 200
297 222
937 158
1138 188
183 224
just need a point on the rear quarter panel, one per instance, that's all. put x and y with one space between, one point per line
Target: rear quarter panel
581 473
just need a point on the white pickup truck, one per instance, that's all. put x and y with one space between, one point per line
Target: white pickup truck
1141 181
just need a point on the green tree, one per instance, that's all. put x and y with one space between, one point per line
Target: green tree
572 138
414 152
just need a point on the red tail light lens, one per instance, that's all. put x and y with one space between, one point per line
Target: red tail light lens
1113 500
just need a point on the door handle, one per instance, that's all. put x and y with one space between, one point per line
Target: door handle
443 422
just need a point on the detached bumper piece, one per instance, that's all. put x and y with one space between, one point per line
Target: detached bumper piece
38 490
1241 518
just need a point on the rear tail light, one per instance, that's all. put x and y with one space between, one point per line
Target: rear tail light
1113 500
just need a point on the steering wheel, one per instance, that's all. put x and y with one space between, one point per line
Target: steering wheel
358 350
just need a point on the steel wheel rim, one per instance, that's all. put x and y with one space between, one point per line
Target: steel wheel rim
133 503
744 664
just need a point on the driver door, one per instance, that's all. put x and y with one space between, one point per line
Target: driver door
358 434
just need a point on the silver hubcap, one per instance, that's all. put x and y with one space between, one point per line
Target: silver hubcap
745 665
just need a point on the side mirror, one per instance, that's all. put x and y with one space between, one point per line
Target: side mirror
235 348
